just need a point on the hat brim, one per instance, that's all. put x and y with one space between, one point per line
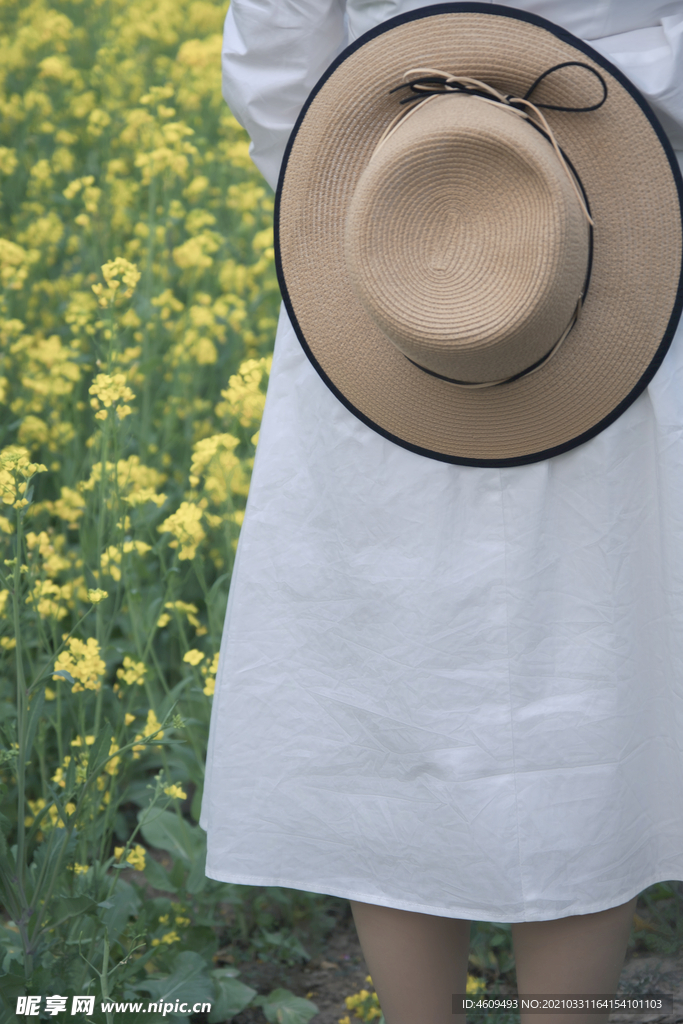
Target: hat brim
634 187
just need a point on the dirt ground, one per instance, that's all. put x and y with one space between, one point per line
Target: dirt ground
341 971
338 972
654 976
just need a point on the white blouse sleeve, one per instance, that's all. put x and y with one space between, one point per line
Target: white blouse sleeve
274 51
653 59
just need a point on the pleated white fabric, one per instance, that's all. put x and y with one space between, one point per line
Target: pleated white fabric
448 689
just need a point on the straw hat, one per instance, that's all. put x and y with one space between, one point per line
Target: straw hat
479 235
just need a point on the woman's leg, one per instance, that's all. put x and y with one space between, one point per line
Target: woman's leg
572 956
417 962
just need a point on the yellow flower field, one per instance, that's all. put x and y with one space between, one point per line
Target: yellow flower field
139 304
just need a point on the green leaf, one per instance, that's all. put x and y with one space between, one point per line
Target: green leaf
84 928
166 831
232 997
58 846
124 903
196 807
11 947
12 985
179 873
33 717
283 1007
7 864
63 674
282 944
197 880
188 981
158 876
100 749
201 939
64 907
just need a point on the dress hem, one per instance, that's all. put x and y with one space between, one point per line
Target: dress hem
421 908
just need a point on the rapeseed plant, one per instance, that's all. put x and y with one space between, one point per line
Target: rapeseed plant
138 305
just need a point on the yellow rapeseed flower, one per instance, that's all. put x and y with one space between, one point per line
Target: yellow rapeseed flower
167 939
193 656
16 470
15 263
83 663
151 727
52 819
190 611
365 1004
46 596
176 792
245 395
131 672
117 273
78 742
185 525
48 546
69 506
214 458
209 673
134 857
59 776
112 392
110 560
112 765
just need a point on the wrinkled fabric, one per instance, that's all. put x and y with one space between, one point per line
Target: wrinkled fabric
449 689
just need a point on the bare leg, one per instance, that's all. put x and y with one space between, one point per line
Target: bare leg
417 962
572 956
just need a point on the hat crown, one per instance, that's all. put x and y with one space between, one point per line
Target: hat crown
465 241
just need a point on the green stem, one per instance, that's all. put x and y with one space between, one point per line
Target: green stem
108 812
104 977
60 741
100 540
147 282
43 870
22 737
42 744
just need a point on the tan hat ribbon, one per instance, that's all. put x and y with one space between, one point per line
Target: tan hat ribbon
433 83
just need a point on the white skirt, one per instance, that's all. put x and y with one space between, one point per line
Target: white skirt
448 689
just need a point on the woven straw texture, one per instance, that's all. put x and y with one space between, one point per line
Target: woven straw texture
636 262
465 241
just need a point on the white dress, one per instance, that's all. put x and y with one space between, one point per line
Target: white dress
449 689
